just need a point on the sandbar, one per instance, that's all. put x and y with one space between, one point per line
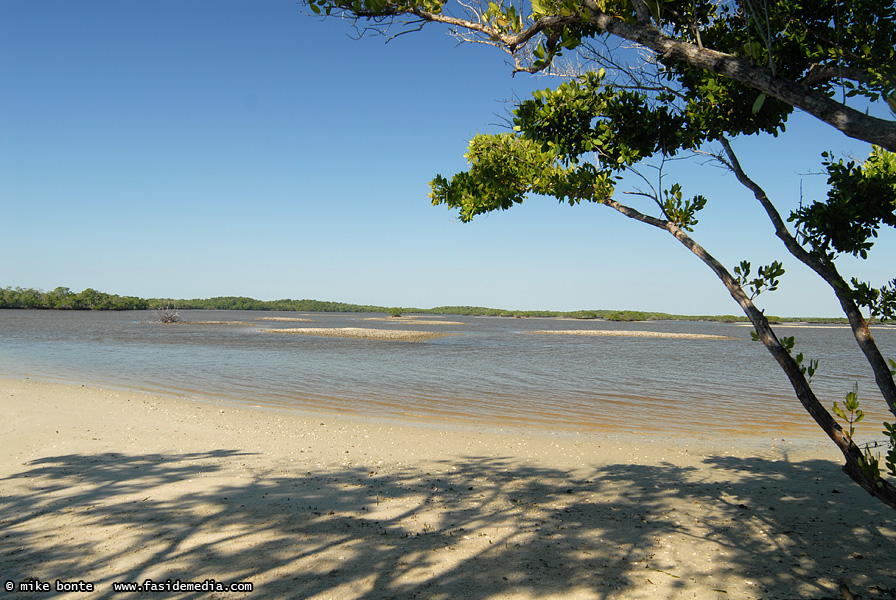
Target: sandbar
299 319
210 323
632 333
415 321
363 333
108 486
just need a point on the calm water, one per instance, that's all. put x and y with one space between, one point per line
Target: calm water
492 373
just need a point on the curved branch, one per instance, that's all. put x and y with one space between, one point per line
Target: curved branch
829 273
511 41
821 73
850 121
881 489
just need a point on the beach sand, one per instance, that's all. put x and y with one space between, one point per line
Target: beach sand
106 486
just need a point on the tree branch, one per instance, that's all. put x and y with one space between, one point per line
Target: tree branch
829 273
850 121
881 488
821 73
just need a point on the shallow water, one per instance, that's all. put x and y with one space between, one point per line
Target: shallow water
492 372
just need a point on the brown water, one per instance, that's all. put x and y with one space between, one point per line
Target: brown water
491 373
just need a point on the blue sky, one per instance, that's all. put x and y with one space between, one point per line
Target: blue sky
200 148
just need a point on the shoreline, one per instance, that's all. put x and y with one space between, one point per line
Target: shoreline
106 486
805 433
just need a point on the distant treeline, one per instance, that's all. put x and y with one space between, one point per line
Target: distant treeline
63 298
607 315
243 303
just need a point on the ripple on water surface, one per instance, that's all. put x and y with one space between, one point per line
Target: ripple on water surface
658 377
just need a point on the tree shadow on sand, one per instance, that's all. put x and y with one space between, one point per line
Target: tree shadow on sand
474 528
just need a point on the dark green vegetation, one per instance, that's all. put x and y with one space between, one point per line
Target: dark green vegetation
90 299
63 298
651 82
243 303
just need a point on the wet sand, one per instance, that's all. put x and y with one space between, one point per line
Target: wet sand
106 486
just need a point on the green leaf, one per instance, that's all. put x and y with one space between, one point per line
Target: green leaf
839 411
788 343
571 43
757 105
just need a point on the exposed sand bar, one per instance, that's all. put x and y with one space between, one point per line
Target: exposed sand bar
210 323
414 321
107 486
363 333
632 333
298 319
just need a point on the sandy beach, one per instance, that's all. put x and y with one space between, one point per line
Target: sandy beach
104 486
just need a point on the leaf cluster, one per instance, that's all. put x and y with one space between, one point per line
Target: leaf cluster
373 8
788 343
572 143
832 46
881 303
681 212
767 279
835 46
890 460
850 412
586 118
861 198
506 19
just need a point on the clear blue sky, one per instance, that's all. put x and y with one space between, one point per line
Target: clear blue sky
219 147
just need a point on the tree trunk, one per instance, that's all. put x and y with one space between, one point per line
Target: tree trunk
829 273
880 488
